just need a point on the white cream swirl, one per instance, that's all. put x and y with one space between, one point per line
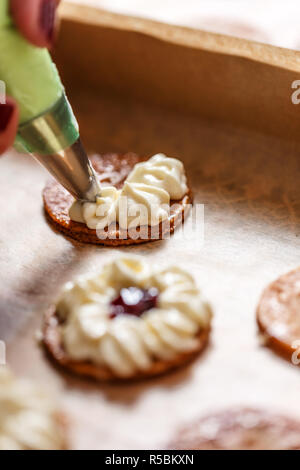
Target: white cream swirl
143 200
161 172
127 344
28 418
99 214
141 204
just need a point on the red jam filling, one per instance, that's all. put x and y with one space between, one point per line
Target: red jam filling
134 301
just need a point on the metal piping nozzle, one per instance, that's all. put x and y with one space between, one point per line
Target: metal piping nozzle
73 170
53 139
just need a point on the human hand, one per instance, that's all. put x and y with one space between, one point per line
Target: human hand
35 20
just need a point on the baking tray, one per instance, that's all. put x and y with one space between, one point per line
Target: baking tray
222 105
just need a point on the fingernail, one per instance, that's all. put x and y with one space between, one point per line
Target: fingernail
47 18
6 111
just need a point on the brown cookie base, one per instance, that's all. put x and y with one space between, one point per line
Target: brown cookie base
112 169
240 429
53 343
278 313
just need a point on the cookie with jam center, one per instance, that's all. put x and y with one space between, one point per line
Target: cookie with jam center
130 321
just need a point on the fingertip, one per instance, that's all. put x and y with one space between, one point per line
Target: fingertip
9 120
36 20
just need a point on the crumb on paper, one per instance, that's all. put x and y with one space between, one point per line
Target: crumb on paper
38 336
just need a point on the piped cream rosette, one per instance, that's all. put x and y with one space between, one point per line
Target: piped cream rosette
128 344
143 200
28 418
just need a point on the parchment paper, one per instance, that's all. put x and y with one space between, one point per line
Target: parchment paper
249 183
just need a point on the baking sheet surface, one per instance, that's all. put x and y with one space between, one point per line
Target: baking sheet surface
249 184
